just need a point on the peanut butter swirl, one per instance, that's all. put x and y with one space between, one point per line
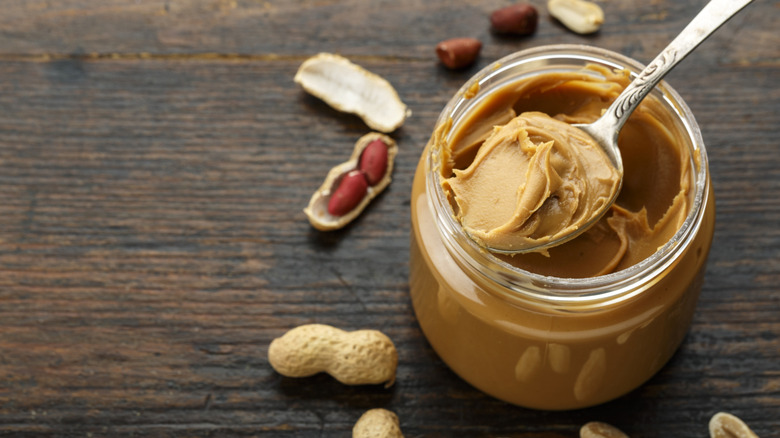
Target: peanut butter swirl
533 180
516 173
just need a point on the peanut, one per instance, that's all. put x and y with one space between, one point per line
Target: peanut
377 423
596 429
580 16
350 191
327 214
725 425
518 19
361 357
458 53
373 161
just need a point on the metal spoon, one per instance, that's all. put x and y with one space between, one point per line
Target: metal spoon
605 130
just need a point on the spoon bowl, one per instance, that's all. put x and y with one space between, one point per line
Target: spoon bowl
606 129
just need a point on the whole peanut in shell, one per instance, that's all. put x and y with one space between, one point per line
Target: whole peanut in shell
361 357
597 429
377 423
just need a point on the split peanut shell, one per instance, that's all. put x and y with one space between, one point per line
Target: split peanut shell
581 16
726 425
317 210
350 88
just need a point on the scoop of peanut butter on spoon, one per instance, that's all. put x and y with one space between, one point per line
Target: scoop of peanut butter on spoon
533 180
550 181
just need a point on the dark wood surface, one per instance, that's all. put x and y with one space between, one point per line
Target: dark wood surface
155 158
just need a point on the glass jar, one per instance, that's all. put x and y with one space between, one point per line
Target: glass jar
550 342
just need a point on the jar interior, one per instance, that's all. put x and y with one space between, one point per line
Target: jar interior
529 64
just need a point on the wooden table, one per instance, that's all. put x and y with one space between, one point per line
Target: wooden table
155 157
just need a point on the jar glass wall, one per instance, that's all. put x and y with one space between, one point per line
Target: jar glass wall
540 340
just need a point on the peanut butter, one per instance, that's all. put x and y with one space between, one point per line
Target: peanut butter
534 180
523 180
551 331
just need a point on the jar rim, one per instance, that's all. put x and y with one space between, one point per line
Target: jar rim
519 284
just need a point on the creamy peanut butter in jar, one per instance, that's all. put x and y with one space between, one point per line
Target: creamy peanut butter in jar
589 320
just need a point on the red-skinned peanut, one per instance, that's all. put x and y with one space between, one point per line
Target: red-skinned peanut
351 185
517 19
373 161
351 190
458 53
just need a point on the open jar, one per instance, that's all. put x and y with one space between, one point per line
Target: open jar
521 328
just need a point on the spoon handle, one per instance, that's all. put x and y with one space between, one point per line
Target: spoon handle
709 19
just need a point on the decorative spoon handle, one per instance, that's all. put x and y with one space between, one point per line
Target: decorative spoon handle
709 19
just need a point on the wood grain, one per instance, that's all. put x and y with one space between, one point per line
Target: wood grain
155 157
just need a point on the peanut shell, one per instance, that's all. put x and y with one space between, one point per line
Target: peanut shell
580 16
597 429
377 423
361 357
317 210
351 88
725 425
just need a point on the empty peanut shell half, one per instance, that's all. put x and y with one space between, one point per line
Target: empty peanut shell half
725 425
350 88
580 16
350 186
